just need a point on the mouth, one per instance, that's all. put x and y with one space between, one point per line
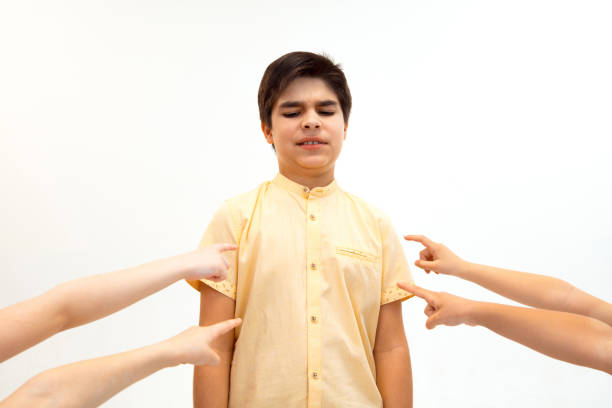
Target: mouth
311 143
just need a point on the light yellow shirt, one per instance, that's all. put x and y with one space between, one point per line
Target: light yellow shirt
311 271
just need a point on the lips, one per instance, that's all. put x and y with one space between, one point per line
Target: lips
311 141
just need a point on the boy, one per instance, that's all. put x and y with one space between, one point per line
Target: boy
314 277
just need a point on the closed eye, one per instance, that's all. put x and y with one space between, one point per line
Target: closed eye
296 114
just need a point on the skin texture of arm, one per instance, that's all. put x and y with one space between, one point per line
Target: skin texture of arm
211 384
392 358
564 336
92 382
530 289
87 299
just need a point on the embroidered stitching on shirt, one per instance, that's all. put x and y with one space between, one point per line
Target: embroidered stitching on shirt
356 254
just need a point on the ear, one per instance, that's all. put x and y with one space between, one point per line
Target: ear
345 129
267 133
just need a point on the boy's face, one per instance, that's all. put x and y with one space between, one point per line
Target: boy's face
308 128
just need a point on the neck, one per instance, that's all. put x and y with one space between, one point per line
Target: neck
313 179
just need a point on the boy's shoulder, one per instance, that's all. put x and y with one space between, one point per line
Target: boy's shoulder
367 209
237 210
246 200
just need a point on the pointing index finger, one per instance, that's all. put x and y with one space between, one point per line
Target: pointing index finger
225 247
419 292
420 238
225 326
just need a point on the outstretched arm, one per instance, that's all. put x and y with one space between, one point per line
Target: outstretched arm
90 383
564 336
539 291
87 299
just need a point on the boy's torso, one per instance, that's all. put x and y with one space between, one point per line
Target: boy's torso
308 288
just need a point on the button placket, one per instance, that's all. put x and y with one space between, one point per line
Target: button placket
313 271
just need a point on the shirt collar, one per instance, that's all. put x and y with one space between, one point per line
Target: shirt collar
293 187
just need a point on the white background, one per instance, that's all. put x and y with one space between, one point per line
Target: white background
483 124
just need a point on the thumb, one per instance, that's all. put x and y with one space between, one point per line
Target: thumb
225 247
433 321
427 265
213 359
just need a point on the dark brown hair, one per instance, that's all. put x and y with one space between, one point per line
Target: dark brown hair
289 67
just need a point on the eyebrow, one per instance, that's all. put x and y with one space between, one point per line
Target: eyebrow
297 104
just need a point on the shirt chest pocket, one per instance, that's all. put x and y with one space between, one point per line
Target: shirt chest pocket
357 254
360 272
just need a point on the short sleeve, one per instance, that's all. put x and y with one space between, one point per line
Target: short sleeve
394 265
221 230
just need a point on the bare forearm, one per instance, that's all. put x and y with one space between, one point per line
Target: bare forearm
90 383
81 301
211 384
539 291
94 297
392 358
601 311
84 300
565 336
394 377
529 289
28 323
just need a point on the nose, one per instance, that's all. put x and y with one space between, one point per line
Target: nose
311 124
311 121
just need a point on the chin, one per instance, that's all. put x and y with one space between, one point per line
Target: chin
314 164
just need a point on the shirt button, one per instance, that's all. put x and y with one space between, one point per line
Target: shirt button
315 375
313 266
314 319
312 217
305 189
